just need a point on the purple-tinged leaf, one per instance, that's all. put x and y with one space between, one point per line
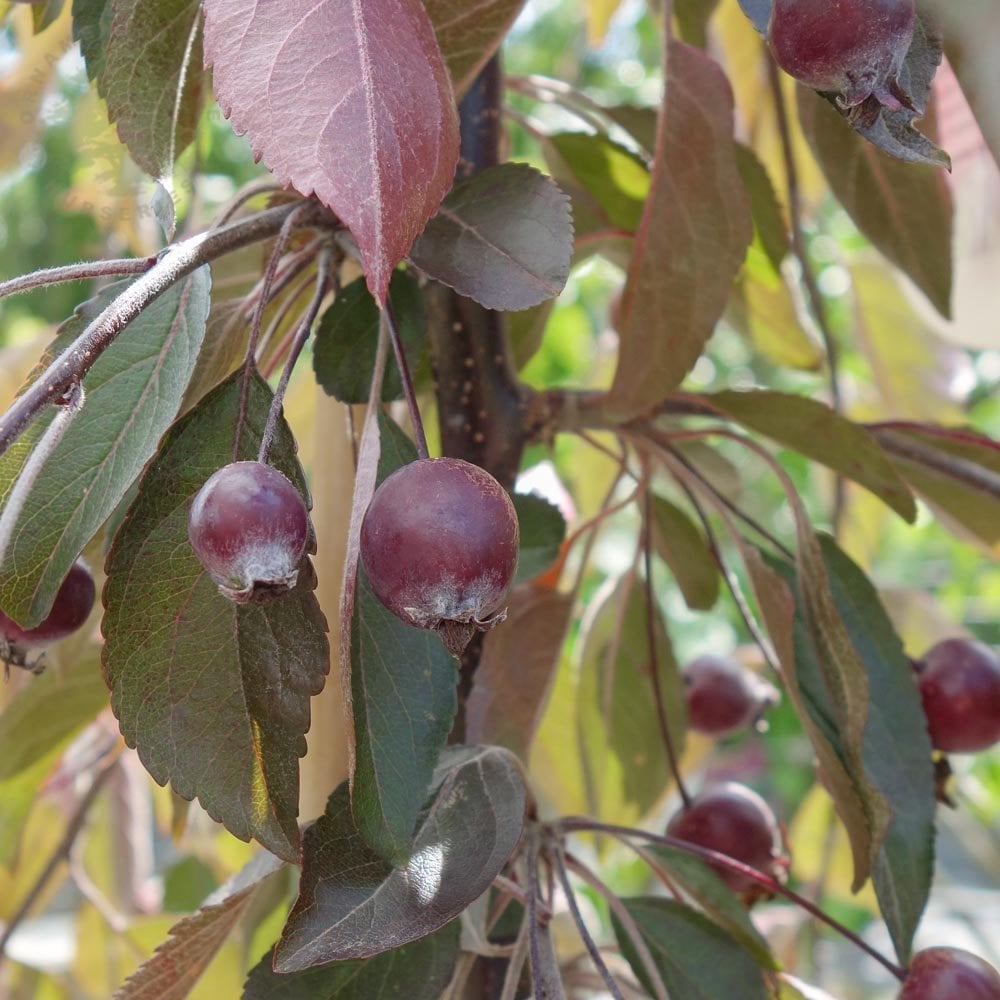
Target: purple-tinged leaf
133 394
417 971
905 209
347 100
504 238
469 33
214 695
692 240
152 78
517 668
352 904
171 972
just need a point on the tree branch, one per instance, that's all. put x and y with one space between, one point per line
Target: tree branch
178 262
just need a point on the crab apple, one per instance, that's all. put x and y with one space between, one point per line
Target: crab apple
249 528
851 48
959 681
734 820
950 974
439 544
72 605
723 696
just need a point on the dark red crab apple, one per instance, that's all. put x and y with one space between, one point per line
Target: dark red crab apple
72 605
851 48
249 527
959 682
950 974
723 696
439 544
734 820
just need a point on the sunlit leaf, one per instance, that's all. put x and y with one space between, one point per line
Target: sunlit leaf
684 549
328 93
352 904
134 391
696 222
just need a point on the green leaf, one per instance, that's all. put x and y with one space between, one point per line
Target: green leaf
134 391
696 223
621 742
417 971
352 904
403 701
715 898
48 712
344 348
152 78
171 972
818 432
543 529
504 238
896 751
19 794
613 177
904 209
215 696
695 957
956 470
768 217
684 549
92 29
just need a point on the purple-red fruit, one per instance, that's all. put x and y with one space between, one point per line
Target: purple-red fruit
950 974
851 48
439 544
723 696
734 820
959 681
249 528
72 605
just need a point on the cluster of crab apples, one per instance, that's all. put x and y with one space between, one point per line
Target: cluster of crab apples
439 545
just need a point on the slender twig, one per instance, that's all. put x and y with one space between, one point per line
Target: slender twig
773 885
83 271
59 854
67 410
268 367
581 925
516 963
531 850
245 194
654 655
805 266
178 262
407 381
302 334
624 918
512 889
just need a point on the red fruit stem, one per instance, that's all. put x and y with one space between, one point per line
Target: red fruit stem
654 658
83 271
624 918
249 359
805 265
407 381
531 858
559 863
302 333
623 833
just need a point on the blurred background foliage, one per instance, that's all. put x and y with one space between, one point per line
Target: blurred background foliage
68 191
